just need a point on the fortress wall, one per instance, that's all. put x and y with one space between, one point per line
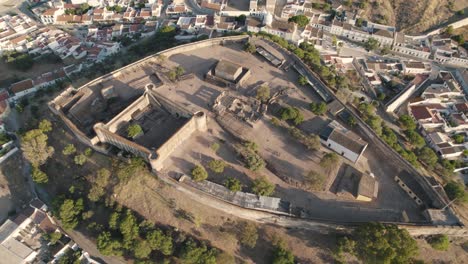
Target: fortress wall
174 108
418 230
196 123
107 137
126 114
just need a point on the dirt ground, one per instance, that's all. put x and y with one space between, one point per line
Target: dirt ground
166 206
10 75
457 252
14 186
462 31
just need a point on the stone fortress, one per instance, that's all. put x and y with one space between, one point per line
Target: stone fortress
171 115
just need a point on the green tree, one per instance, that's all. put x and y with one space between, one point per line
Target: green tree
199 173
142 249
378 243
248 234
19 61
371 44
134 130
455 190
428 156
129 227
45 126
406 122
263 187
161 242
233 184
359 22
54 237
253 161
114 220
35 148
214 146
80 159
415 139
263 93
179 71
300 20
329 160
458 138
439 242
69 212
292 113
69 149
39 176
314 180
107 245
389 136
302 80
95 193
70 256
88 152
191 253
282 255
351 121
172 75
318 108
334 41
250 47
217 166
449 30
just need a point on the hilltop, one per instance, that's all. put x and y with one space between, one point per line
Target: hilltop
414 16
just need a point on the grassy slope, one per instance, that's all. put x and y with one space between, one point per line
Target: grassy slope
414 16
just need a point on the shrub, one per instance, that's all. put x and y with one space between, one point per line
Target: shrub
80 159
214 146
199 173
233 184
249 47
302 80
69 149
263 187
248 234
134 130
39 176
439 242
329 160
88 152
455 190
253 161
314 180
45 125
318 108
217 165
263 93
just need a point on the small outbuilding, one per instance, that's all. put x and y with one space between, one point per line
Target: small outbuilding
343 141
228 70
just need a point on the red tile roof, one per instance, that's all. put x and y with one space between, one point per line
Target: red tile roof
421 112
21 86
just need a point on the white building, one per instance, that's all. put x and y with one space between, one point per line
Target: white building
343 142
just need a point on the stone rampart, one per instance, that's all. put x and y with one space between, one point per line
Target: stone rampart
196 123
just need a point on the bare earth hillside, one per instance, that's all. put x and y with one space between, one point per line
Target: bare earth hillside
414 16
